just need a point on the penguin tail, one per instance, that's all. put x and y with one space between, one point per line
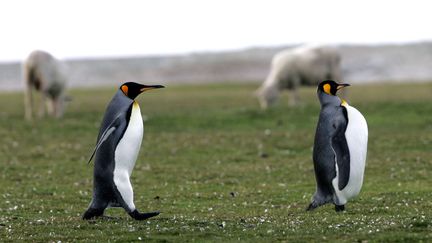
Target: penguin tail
143 216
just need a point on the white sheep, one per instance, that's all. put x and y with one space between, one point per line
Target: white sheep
306 65
45 74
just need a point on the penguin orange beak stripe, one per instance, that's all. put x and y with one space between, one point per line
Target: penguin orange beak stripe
340 86
150 87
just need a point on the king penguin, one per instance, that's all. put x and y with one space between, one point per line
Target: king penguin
340 148
116 151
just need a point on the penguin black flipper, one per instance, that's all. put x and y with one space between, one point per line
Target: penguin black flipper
105 134
341 150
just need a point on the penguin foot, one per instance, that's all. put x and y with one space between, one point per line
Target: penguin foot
104 217
142 216
339 208
312 206
92 213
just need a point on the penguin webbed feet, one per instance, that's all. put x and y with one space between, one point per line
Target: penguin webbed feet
339 208
312 206
143 216
92 213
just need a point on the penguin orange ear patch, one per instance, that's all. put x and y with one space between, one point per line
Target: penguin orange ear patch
125 89
327 88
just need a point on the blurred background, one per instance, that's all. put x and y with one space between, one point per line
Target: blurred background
106 42
212 161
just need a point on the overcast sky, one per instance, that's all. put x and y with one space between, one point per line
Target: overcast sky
93 28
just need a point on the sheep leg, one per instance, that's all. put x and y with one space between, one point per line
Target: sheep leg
51 107
28 102
42 105
58 107
294 98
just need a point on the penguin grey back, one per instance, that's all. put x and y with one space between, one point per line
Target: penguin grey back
330 131
119 104
117 115
331 156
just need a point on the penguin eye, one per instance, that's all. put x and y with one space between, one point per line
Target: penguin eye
327 88
125 89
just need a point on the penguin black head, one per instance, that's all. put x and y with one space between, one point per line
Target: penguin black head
330 87
132 90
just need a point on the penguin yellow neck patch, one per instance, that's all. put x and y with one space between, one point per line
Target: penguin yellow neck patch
327 88
125 89
344 103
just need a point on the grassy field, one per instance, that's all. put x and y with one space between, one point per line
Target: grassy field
219 169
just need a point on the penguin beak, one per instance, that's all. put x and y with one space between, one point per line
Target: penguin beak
149 87
341 86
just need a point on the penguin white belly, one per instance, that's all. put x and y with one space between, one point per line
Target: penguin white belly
356 135
126 154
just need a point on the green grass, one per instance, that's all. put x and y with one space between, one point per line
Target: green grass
202 164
